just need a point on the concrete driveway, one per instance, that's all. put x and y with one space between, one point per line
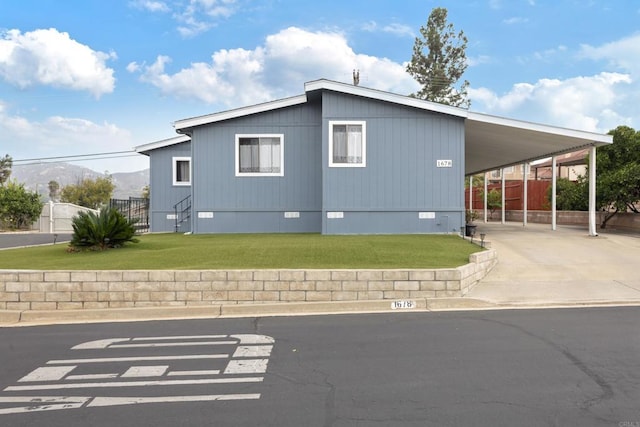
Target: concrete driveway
538 266
22 239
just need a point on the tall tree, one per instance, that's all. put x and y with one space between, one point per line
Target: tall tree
54 188
91 193
5 168
618 178
618 171
439 61
19 208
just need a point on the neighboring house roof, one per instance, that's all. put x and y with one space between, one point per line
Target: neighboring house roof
145 148
491 142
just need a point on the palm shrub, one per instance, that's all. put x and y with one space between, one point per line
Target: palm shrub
107 229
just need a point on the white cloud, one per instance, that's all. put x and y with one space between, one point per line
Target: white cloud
477 60
65 136
201 15
52 58
393 28
623 54
150 5
194 17
592 103
515 20
279 68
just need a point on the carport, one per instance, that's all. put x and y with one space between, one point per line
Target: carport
494 143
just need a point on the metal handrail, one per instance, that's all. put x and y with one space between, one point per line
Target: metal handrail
182 211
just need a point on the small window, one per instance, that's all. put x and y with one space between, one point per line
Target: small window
347 144
259 155
181 171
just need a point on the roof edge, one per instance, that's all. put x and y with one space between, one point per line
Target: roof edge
324 84
239 112
144 148
596 138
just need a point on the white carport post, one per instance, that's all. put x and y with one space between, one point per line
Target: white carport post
504 210
485 197
592 191
525 196
553 193
471 193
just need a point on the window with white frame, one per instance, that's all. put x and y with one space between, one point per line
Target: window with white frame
260 155
347 144
182 171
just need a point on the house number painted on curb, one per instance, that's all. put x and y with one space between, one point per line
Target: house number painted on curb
403 304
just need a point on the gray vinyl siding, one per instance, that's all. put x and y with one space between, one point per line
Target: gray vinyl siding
164 195
258 204
400 178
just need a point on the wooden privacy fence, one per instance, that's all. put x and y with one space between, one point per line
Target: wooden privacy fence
514 195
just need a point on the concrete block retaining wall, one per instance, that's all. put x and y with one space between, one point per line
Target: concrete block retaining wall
92 289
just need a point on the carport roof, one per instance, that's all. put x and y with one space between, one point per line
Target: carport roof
491 142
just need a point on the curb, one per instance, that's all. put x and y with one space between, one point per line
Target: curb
47 317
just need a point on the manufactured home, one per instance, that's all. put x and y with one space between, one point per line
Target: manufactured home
338 159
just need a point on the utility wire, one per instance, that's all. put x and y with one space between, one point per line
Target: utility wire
77 156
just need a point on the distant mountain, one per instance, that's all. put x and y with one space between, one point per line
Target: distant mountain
37 177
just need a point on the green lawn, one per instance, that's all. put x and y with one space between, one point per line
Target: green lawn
252 251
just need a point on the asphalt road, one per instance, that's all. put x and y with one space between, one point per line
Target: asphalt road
562 367
16 240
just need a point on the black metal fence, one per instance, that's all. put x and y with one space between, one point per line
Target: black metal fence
134 208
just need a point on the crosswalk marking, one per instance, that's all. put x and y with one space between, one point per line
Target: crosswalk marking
189 373
137 359
135 383
47 373
90 377
249 366
145 371
180 337
253 351
40 403
173 344
113 401
244 363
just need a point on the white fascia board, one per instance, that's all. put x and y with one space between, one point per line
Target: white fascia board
596 138
239 112
385 96
161 144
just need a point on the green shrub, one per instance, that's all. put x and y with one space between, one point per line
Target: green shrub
107 229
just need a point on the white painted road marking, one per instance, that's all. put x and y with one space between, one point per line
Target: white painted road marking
173 344
253 351
181 337
194 373
52 403
248 366
47 373
249 357
113 401
145 371
135 383
90 377
40 403
137 359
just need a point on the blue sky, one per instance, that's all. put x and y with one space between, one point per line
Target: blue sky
87 76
